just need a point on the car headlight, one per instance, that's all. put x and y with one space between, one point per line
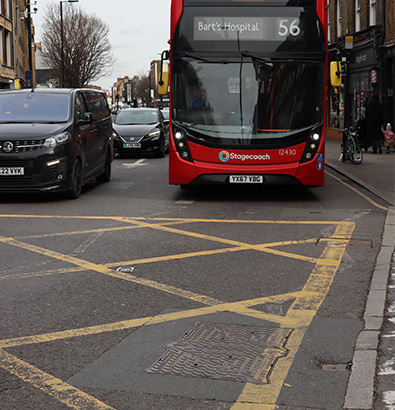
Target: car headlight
59 139
115 135
154 134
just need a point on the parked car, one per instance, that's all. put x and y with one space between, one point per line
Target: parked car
118 107
166 116
54 140
166 113
140 130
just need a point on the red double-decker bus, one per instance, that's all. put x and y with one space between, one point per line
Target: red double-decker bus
247 91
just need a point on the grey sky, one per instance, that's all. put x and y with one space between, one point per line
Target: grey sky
139 31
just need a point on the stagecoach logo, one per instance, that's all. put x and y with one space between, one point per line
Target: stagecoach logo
225 156
8 146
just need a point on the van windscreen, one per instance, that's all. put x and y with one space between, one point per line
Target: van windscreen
34 107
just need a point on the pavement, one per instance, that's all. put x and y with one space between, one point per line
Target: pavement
372 382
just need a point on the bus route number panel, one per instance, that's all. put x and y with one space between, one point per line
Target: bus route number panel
246 28
246 179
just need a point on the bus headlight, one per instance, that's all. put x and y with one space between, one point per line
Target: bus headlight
312 145
181 143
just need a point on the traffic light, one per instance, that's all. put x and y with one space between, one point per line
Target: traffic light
117 97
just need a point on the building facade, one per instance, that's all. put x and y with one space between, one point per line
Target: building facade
362 36
16 51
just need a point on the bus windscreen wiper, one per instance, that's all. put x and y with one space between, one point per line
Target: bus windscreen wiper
273 60
205 60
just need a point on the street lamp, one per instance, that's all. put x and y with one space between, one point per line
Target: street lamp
61 32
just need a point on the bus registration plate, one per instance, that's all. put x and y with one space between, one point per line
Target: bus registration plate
246 179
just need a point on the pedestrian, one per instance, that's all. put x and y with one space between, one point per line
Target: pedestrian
389 137
374 123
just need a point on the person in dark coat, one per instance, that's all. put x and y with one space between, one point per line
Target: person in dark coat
374 122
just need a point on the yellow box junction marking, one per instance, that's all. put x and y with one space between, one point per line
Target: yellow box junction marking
305 303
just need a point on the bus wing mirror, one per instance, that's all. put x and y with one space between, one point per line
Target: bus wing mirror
163 84
336 74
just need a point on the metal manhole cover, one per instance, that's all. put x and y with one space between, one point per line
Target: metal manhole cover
227 352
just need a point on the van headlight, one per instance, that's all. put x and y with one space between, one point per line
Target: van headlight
59 139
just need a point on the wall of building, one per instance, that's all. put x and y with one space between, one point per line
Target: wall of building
367 54
14 51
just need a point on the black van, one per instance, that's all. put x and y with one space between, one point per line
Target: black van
54 140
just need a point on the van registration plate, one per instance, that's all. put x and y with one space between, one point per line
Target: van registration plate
246 179
12 171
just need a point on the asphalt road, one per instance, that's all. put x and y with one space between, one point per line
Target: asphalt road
140 295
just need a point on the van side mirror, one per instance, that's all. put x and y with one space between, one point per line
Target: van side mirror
336 74
87 119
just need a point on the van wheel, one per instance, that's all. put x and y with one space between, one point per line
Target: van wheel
76 181
106 175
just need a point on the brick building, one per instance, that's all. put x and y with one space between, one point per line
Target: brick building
362 35
15 30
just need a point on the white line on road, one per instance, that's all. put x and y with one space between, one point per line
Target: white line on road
135 164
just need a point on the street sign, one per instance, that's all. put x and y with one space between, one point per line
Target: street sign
349 42
29 80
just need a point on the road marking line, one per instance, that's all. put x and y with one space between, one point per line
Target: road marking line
303 310
61 391
361 194
299 316
241 307
138 163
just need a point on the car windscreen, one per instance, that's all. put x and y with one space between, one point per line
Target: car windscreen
136 117
34 107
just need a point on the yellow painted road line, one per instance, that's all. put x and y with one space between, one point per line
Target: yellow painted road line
168 258
104 270
61 391
361 194
239 307
303 310
90 231
181 220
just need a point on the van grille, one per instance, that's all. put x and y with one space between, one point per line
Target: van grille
25 163
24 145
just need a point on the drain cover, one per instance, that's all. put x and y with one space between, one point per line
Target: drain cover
228 352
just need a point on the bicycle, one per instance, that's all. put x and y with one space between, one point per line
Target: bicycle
350 146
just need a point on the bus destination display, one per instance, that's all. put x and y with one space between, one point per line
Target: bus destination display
245 28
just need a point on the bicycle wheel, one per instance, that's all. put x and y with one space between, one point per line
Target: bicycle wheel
355 152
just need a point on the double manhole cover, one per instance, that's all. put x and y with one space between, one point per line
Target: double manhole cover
227 352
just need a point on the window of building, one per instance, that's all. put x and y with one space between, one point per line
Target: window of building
5 8
1 45
357 15
329 25
372 14
339 17
6 49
